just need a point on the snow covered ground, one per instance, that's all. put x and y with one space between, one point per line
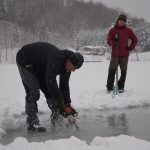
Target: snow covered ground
87 91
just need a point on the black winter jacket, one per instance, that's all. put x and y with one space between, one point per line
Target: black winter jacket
47 62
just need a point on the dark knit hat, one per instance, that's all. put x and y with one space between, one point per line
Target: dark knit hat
76 59
122 17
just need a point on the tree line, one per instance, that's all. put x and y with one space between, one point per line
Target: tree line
60 22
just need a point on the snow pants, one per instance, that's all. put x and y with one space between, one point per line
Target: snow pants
31 85
123 63
32 89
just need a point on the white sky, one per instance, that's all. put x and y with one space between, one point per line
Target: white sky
138 8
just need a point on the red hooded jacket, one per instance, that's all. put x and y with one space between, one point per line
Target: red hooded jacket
124 35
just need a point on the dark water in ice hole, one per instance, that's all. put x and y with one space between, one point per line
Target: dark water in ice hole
106 123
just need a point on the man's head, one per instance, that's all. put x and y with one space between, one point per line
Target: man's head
122 20
74 61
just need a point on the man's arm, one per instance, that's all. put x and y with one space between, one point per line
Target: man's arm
110 38
64 86
50 80
133 38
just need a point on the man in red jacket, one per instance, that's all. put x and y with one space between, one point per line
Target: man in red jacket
122 40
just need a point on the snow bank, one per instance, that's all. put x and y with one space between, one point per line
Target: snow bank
121 142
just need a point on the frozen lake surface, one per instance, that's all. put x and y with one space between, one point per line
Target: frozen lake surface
131 121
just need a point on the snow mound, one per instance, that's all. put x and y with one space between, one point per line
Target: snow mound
121 142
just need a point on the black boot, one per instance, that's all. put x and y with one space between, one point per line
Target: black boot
110 79
32 119
121 81
33 124
36 128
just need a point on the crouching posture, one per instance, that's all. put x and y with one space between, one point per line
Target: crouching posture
39 64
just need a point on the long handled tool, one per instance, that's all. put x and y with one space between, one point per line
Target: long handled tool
115 88
137 56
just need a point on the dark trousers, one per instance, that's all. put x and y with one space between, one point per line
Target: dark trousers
123 63
31 85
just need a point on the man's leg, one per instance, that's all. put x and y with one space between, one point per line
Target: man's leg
123 67
111 73
31 86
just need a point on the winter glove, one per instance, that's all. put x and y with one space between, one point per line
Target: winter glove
58 106
61 104
69 110
128 48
